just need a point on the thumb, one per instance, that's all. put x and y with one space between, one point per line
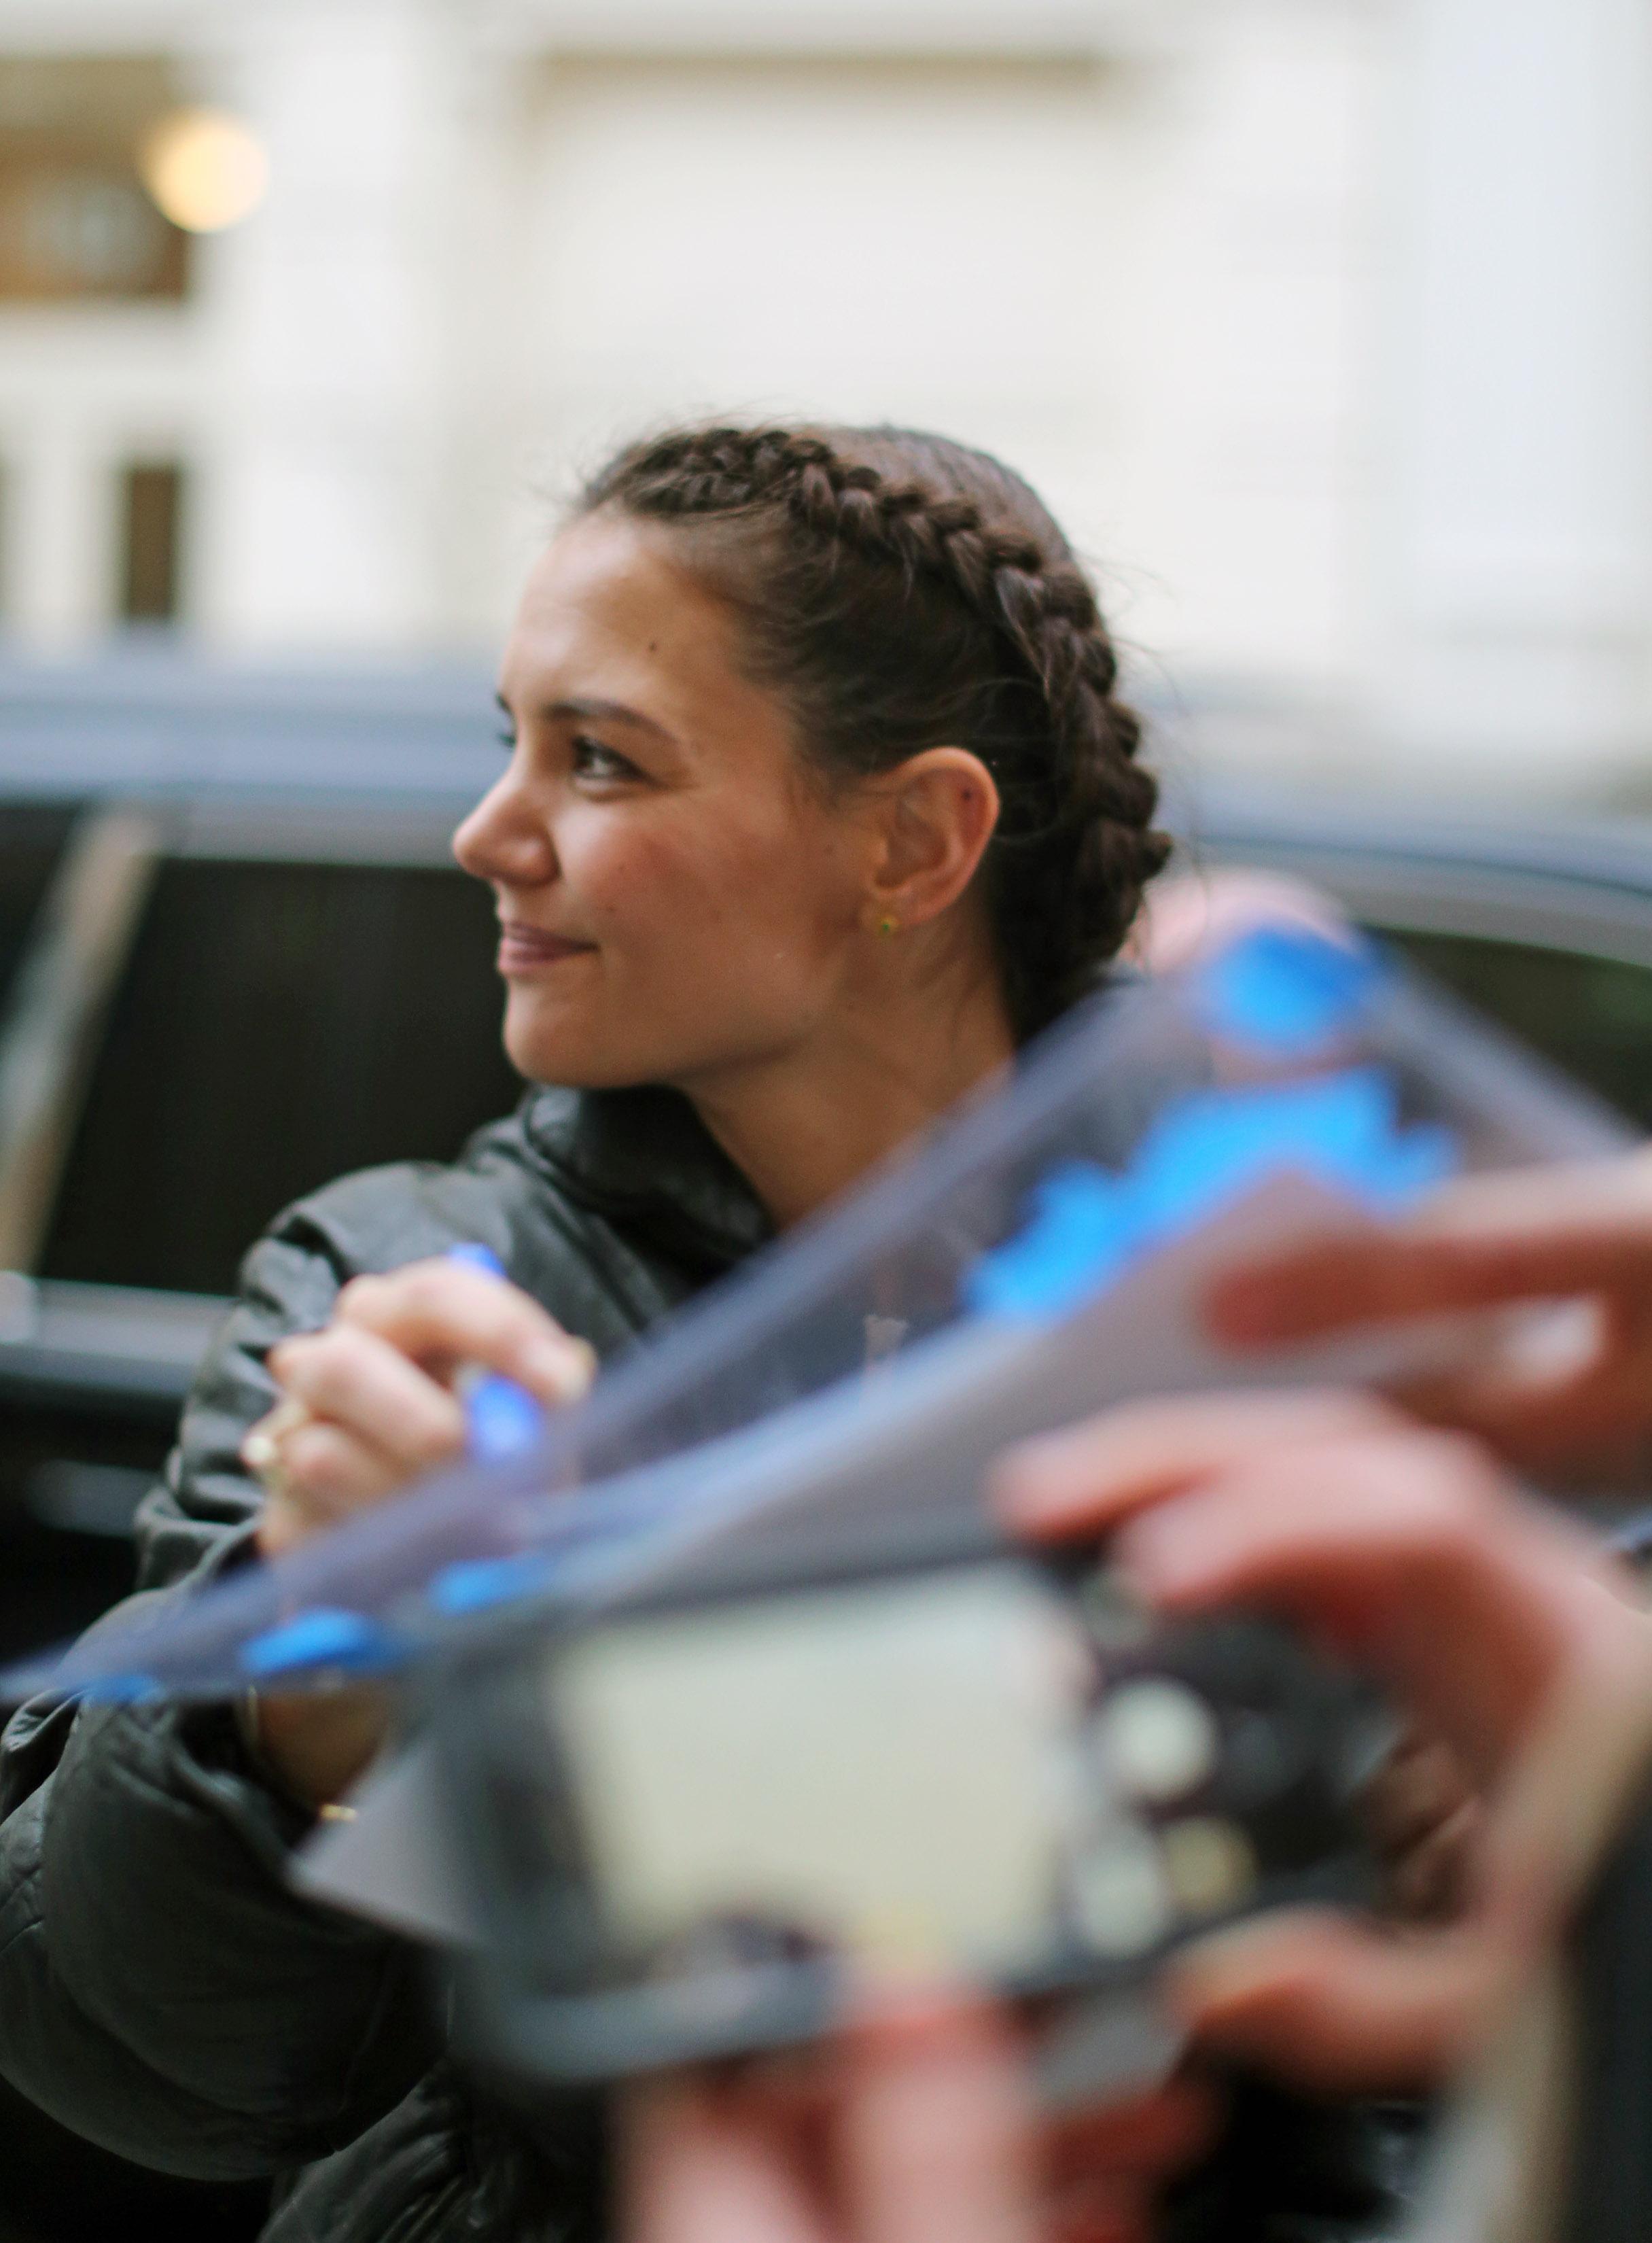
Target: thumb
938 2131
695 2169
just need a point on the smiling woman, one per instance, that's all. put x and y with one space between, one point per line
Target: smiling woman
683 901
654 795
819 801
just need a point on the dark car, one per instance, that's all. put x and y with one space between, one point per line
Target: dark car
236 960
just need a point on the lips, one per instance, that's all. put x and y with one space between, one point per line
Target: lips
522 948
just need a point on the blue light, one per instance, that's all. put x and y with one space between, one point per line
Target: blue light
322 1639
1204 1152
1285 989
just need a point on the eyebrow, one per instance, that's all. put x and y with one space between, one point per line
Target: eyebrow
592 712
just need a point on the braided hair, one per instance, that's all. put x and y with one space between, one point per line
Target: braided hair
902 592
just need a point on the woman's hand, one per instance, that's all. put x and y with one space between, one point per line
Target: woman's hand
1582 1235
367 1406
919 2129
1497 1626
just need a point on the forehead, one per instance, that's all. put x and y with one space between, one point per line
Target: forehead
610 613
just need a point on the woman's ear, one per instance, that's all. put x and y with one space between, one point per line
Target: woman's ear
935 815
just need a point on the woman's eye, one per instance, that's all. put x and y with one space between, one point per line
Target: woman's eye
591 759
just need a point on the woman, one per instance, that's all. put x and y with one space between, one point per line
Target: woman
819 803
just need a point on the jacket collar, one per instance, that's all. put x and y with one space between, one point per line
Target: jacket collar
643 1160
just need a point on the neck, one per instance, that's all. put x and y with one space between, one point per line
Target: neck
804 1126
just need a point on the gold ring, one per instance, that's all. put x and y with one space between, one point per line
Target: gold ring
263 1449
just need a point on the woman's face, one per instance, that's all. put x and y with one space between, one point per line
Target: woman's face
675 899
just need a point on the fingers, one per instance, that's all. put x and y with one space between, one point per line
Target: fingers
365 1406
327 1473
921 2131
442 1313
1420 1786
1190 914
357 1421
921 2134
701 2167
1428 1883
1565 1416
352 1377
1087 1480
1408 1551
1153 2134
1402 1544
1337 2006
937 2140
1487 1240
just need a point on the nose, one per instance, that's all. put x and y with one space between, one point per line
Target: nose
507 838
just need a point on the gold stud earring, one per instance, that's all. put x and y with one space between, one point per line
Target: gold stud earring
888 926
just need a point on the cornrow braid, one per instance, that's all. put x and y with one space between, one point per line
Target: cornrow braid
905 592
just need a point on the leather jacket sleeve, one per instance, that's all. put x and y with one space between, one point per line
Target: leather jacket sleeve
162 1993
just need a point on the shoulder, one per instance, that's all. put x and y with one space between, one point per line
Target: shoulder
523 1186
377 1219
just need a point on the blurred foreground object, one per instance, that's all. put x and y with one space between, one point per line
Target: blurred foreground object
1506 1634
1187 915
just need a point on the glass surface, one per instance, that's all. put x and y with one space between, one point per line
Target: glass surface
151 525
75 224
279 1025
1590 1016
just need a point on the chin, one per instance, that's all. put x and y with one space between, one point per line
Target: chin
553 1044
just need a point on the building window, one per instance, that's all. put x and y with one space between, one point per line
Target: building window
75 223
151 510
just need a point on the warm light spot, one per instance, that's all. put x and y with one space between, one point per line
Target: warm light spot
204 169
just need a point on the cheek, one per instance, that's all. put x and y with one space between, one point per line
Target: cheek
666 894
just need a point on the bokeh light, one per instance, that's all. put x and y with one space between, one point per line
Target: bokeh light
204 169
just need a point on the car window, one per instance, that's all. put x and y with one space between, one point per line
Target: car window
1591 1016
31 839
278 1025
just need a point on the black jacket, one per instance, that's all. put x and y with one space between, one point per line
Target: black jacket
162 1992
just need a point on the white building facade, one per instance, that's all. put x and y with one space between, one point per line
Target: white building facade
1325 326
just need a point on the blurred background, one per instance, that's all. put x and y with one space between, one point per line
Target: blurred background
1324 323
1325 326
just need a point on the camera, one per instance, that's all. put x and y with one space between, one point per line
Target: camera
694 1823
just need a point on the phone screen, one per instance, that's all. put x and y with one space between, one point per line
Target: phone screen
897 1772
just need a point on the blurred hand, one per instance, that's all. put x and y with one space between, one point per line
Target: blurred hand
1582 1235
1497 1627
368 1406
917 2130
1185 916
